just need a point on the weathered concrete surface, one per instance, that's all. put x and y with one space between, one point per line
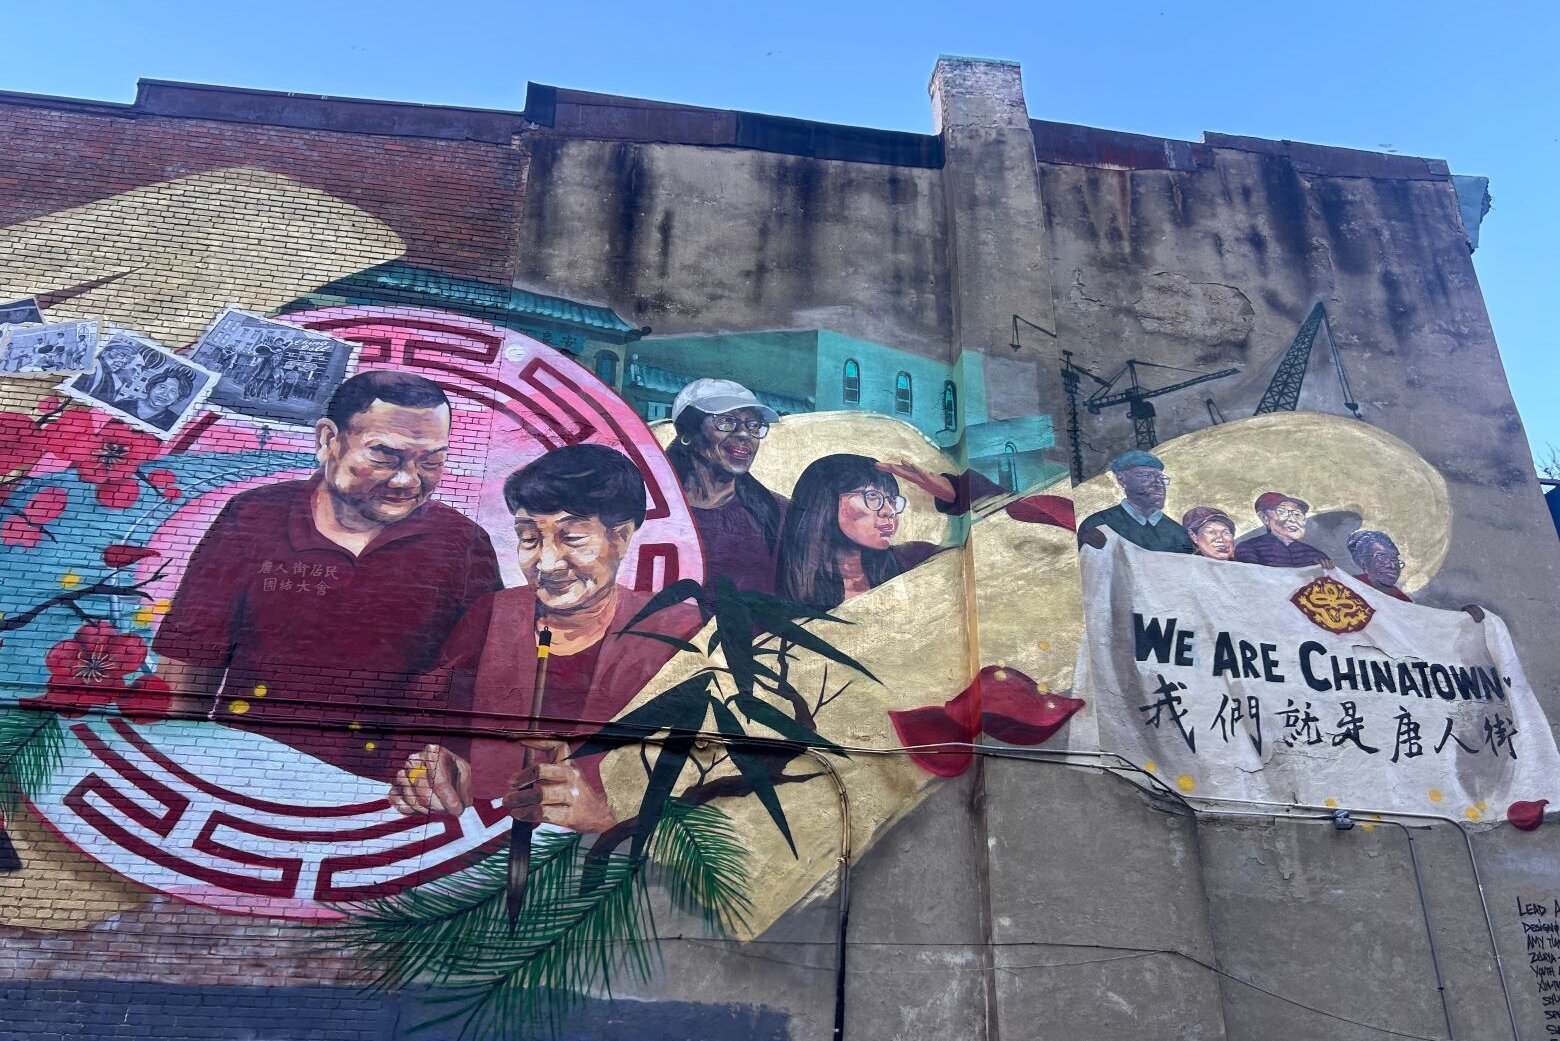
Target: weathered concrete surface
1304 915
688 239
1099 922
1250 240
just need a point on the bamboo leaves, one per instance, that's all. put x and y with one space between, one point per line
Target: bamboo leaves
756 635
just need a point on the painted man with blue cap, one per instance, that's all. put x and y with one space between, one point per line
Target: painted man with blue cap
1140 516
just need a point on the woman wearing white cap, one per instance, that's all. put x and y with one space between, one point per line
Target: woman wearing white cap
720 428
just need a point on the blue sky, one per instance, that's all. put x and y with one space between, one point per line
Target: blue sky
1476 85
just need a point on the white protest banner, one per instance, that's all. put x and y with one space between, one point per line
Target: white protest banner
1304 685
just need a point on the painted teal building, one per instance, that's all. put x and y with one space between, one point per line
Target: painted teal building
819 370
792 371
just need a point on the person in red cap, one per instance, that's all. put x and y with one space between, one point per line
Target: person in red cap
1284 517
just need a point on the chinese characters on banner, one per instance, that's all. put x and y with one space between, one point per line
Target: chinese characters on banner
1303 685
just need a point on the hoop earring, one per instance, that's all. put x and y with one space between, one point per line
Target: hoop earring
683 440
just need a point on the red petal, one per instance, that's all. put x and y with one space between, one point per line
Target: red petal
1034 723
946 739
1044 509
148 700
50 702
118 555
126 652
61 659
21 444
160 478
46 506
116 494
1526 816
121 652
15 531
71 436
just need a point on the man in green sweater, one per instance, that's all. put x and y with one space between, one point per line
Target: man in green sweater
1140 516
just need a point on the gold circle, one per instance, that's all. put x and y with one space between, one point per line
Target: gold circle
1337 465
238 706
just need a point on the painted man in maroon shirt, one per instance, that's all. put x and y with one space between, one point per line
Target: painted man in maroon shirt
1281 545
576 510
309 607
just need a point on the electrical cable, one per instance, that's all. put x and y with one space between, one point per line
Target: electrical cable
1059 757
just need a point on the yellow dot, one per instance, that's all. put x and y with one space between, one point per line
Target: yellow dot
261 690
1472 813
143 616
1151 766
1367 828
1479 806
1330 802
162 607
1185 782
238 706
1044 645
370 745
70 580
354 725
1435 795
1000 674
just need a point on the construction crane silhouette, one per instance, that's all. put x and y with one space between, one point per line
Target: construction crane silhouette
1133 394
1283 391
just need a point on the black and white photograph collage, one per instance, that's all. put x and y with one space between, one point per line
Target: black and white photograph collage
142 382
269 370
34 347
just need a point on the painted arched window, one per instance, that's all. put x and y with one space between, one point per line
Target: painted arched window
902 400
950 403
606 367
1007 468
852 382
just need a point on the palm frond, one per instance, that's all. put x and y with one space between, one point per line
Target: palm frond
702 863
454 933
31 744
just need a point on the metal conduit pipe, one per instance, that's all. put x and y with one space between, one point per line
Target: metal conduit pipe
1473 863
1413 857
842 909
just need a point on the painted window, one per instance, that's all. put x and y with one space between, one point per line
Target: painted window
606 367
1007 467
658 410
902 399
852 382
950 403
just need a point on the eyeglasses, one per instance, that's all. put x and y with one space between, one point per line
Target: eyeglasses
1148 479
875 500
1286 514
727 424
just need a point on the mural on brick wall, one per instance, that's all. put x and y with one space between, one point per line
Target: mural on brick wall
437 617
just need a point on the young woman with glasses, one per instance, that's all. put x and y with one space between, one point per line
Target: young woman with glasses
837 541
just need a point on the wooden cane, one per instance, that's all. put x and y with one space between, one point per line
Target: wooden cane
520 831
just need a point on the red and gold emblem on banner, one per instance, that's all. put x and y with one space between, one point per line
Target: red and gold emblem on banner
1333 606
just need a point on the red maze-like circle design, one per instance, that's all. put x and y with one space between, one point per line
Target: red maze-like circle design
163 805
